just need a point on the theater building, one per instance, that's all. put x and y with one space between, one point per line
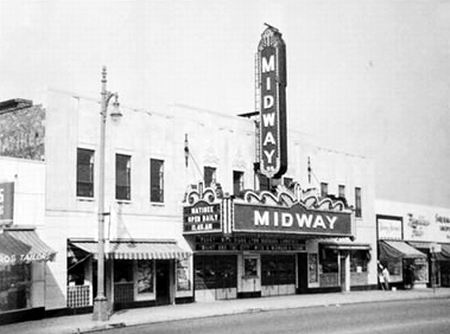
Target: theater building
201 205
414 240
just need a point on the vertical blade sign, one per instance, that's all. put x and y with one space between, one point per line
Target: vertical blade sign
272 76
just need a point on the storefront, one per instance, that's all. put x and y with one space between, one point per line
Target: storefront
22 274
138 273
265 244
414 244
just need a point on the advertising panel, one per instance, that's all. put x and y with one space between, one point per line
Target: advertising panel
389 228
202 217
294 220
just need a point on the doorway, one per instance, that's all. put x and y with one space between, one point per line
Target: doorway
162 282
302 265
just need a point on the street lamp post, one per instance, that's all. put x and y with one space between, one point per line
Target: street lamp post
100 302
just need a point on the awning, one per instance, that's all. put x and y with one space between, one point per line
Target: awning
23 246
420 245
135 250
346 246
444 255
397 250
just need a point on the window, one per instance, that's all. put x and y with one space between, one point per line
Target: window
287 181
15 287
238 182
341 191
85 173
323 189
123 176
264 182
329 260
358 261
209 176
358 202
156 180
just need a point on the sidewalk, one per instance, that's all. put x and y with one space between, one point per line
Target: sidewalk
83 323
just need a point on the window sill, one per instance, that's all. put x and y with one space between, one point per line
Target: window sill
123 201
158 204
85 199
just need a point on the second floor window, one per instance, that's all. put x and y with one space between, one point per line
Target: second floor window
341 191
238 182
209 176
264 182
85 173
156 180
323 189
358 210
123 177
287 181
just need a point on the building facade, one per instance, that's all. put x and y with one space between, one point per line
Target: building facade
192 209
414 243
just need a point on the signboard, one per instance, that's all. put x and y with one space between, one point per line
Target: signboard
202 217
389 228
272 76
6 203
294 220
443 225
435 248
418 227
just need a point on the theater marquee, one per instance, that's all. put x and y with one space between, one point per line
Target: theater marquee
272 85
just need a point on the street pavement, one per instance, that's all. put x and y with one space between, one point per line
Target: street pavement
388 317
132 317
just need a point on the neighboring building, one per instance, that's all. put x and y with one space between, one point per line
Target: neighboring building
23 255
414 242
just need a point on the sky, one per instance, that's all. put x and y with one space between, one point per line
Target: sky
369 77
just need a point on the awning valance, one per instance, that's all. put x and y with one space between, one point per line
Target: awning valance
397 250
23 246
346 246
135 250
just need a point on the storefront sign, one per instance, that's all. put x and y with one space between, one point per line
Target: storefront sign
202 217
272 66
443 224
295 220
6 202
389 228
418 227
23 258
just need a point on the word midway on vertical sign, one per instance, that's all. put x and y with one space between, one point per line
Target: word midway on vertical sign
272 76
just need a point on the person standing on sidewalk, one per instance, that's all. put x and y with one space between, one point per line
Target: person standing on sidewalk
380 276
386 278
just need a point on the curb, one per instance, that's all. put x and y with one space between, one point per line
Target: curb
252 310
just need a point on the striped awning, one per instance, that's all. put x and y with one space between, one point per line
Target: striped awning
397 250
23 246
135 250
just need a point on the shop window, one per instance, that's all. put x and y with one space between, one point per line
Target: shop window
215 272
358 261
85 173
145 276
238 182
341 191
358 212
277 269
287 181
209 176
123 271
75 274
123 177
15 287
156 180
323 189
329 260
